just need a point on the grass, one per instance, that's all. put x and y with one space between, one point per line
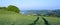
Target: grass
53 20
11 18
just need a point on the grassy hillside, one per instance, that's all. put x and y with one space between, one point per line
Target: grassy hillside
12 18
9 18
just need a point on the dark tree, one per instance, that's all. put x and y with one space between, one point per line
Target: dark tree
13 8
2 7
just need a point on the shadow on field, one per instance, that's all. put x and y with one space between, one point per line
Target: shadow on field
34 23
13 23
46 22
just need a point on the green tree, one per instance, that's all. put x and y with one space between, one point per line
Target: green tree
13 8
2 7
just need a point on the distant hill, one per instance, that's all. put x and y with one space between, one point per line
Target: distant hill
45 12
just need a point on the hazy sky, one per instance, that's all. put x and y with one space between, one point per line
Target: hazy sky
32 4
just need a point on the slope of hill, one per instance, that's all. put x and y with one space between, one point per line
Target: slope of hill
12 18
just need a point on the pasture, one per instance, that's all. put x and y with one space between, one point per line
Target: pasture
12 18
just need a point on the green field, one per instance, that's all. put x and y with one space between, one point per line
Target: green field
53 20
12 18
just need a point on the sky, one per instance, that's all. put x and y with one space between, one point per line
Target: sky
32 4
